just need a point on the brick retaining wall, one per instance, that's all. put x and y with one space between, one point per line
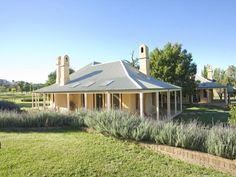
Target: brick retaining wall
194 157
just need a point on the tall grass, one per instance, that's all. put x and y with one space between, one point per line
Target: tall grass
40 119
189 136
232 117
119 124
219 140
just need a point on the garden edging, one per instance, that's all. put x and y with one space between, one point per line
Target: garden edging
194 157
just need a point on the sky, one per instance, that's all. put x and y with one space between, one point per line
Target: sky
34 33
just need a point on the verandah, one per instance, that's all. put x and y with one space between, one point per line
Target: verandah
159 105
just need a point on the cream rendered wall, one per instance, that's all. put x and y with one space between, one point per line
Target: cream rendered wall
148 107
203 99
90 101
61 100
215 94
76 99
129 102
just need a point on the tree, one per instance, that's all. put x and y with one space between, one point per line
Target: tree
231 73
52 77
204 72
225 77
221 77
134 61
174 65
21 84
27 87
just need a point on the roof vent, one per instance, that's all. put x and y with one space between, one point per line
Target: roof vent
106 83
74 85
88 84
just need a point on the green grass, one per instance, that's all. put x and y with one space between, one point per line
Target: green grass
204 114
76 153
14 96
22 99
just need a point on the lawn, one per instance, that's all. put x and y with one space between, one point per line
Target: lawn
203 113
77 153
22 99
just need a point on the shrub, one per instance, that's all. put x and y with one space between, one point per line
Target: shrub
188 135
217 140
9 106
39 119
232 117
119 124
221 141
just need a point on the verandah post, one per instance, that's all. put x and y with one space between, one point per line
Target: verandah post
157 106
141 104
168 105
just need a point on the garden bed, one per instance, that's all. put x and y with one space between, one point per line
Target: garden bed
194 157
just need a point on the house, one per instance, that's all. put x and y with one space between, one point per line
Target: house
207 90
113 85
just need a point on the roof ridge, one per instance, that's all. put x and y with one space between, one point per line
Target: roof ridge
129 77
99 63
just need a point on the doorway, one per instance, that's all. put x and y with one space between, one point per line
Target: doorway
99 101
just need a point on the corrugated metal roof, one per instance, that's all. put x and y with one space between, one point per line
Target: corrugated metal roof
207 84
231 89
95 77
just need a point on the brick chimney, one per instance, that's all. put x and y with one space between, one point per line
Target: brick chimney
209 72
144 60
64 70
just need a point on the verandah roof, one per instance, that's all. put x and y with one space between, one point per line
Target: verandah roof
207 84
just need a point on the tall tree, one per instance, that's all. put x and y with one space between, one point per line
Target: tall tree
231 73
174 65
52 77
220 77
204 72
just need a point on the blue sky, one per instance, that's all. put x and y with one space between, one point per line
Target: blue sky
34 33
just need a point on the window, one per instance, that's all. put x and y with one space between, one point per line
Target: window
82 100
137 101
99 101
141 49
154 99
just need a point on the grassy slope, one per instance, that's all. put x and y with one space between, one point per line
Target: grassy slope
74 153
